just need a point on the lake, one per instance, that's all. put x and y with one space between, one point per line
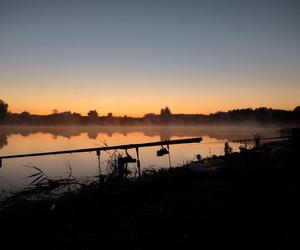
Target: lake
31 139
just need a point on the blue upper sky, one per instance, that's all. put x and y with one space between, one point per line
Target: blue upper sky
232 53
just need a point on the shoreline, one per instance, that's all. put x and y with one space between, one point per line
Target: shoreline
252 203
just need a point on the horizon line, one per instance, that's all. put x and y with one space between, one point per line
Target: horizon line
140 116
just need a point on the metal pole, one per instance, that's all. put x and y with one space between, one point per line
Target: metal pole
99 162
168 147
266 138
138 162
126 146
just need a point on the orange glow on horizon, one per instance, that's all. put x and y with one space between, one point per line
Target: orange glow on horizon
135 94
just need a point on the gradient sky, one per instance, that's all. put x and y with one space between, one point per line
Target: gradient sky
135 57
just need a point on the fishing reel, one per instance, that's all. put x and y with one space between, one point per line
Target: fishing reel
127 159
162 151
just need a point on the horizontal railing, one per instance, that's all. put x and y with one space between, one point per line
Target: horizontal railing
106 148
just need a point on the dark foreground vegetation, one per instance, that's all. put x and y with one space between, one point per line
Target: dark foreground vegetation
246 116
251 204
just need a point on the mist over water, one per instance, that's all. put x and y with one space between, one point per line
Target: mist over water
32 139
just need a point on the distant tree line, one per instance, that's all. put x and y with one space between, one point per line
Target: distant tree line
248 116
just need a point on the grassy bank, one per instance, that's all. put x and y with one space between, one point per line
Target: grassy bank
243 207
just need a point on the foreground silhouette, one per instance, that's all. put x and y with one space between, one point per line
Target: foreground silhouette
243 208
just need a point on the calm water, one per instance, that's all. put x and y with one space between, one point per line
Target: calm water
17 140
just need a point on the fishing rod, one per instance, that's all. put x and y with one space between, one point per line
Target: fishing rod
262 138
247 140
106 148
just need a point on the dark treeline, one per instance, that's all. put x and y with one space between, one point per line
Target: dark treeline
249 116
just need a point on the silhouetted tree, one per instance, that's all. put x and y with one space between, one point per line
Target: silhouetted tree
93 114
297 110
76 115
150 118
25 117
3 109
296 114
165 114
25 114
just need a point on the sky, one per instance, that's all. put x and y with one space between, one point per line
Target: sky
135 57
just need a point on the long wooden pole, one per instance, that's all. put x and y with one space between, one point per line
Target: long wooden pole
98 149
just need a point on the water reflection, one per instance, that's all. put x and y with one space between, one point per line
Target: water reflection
18 140
3 139
164 132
